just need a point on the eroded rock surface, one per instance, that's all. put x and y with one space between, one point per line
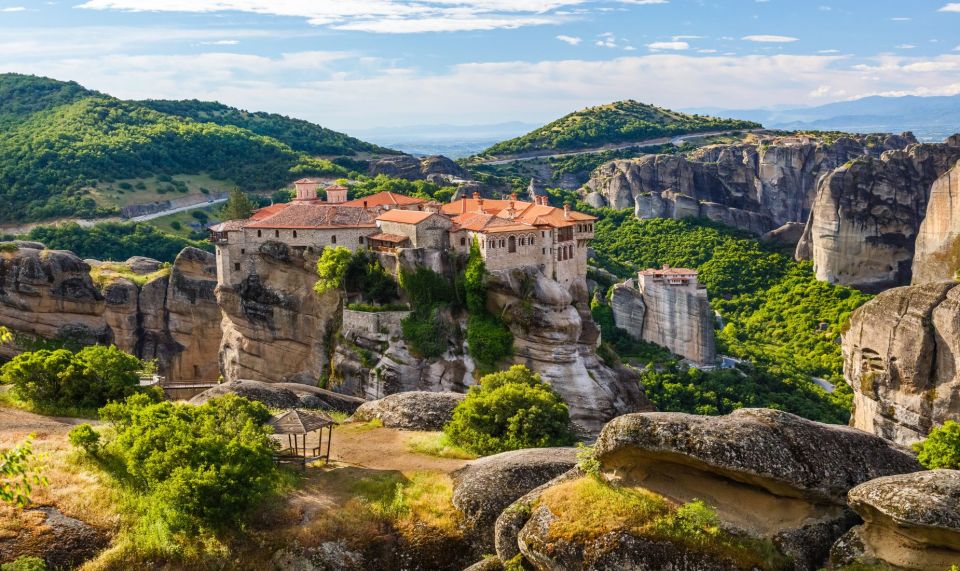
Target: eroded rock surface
61 541
911 521
866 216
937 255
282 395
485 487
413 410
436 167
901 358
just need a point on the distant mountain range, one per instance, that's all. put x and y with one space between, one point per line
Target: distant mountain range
454 141
929 118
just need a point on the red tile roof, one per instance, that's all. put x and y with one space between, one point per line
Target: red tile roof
383 199
308 215
405 216
382 237
668 271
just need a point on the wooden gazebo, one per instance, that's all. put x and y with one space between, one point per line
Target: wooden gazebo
297 425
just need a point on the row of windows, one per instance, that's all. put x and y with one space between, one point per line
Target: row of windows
511 243
333 237
584 227
564 253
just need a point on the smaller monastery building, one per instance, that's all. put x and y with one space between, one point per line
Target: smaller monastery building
511 233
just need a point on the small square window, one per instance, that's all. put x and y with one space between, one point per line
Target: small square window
333 239
236 267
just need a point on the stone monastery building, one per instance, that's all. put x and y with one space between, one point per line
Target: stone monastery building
511 233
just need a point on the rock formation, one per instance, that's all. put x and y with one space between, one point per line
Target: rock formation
172 317
865 219
61 541
937 255
901 358
282 395
769 475
555 336
757 187
437 168
486 487
911 521
411 410
275 328
678 318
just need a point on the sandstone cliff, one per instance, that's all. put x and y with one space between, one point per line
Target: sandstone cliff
937 254
437 168
757 187
864 221
171 316
901 358
675 318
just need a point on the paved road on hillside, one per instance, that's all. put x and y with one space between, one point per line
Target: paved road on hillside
146 217
645 143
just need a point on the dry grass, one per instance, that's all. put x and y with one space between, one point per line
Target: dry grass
108 272
438 445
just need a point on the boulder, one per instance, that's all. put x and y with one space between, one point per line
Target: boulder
142 266
412 410
786 236
485 487
937 255
911 521
281 395
512 519
328 556
61 541
436 167
900 357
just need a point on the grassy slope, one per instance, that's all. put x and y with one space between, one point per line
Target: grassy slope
619 122
58 141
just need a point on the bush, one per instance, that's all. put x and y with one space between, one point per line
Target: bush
426 288
176 225
84 437
25 563
941 449
331 269
19 474
202 465
116 241
88 378
489 339
510 410
365 274
425 332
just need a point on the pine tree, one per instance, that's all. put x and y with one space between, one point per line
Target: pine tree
238 206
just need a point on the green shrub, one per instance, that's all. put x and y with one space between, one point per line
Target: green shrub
426 288
125 186
88 378
587 460
425 332
176 225
115 241
475 277
331 269
84 437
365 275
201 465
489 339
25 563
19 474
941 449
371 308
510 410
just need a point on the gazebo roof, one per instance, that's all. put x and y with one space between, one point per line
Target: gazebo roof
298 421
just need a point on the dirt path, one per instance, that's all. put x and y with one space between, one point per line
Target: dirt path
385 449
16 424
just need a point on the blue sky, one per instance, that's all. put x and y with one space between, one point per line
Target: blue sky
356 64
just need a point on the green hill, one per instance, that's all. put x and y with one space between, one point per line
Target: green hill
58 141
620 122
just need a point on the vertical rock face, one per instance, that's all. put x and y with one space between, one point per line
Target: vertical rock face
757 187
864 222
675 318
901 357
275 328
555 336
173 317
937 254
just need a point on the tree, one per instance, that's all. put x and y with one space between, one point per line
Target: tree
510 410
18 475
475 280
941 449
331 269
238 206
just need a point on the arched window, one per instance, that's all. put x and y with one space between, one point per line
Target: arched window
522 241
294 233
276 233
512 244
333 239
491 244
532 239
503 243
463 241
259 233
559 254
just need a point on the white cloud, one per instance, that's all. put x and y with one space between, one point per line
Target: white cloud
678 38
572 40
379 16
828 51
769 38
220 43
13 9
668 46
706 51
905 46
901 19
950 7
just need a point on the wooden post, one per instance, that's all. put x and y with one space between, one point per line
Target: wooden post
329 438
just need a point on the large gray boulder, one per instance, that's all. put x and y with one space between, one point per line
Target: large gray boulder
485 487
412 410
912 521
282 395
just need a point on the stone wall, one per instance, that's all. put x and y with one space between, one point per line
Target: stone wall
366 323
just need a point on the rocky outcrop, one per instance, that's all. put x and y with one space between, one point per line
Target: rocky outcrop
414 410
865 219
486 487
757 187
437 168
901 358
555 336
282 395
911 521
171 315
275 328
61 541
769 474
676 317
937 255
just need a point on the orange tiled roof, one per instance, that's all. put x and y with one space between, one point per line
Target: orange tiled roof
228 226
383 199
668 271
468 213
383 237
308 215
266 212
336 187
405 216
308 181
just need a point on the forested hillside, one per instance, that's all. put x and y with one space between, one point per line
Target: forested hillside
619 122
58 140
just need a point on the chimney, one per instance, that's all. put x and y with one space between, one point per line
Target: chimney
479 203
513 196
476 195
364 203
566 211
